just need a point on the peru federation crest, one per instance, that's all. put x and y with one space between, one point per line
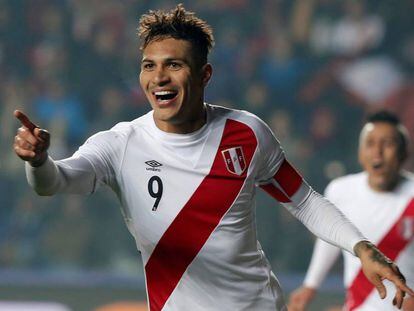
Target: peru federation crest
235 161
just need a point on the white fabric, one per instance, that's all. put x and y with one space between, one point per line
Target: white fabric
230 272
323 257
322 218
374 213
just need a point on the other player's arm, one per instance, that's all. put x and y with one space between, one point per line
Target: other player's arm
323 257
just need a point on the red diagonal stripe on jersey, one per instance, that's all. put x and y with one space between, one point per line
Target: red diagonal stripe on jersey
391 245
276 193
189 231
288 178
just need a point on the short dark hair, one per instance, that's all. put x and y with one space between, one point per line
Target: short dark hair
385 116
177 24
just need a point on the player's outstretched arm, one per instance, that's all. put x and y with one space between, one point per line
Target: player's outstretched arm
31 142
377 267
81 173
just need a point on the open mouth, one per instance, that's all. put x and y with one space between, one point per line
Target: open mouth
165 96
378 166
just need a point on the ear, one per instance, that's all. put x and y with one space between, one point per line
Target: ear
207 72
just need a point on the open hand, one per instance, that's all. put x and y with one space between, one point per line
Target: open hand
377 267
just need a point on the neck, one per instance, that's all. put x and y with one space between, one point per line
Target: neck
384 186
189 125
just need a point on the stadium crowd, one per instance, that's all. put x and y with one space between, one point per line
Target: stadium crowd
311 69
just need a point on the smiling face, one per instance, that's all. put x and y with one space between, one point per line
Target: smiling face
174 84
379 155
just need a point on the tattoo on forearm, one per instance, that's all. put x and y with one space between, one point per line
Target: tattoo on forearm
375 255
379 257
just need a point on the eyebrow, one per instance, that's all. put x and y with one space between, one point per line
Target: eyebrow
167 60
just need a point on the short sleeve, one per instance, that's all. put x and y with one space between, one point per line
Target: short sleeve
271 153
104 151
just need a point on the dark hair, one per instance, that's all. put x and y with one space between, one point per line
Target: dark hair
178 24
385 116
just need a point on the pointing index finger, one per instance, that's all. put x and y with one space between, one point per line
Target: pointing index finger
25 120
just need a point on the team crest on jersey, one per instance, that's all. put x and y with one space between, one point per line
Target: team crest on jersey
407 227
234 159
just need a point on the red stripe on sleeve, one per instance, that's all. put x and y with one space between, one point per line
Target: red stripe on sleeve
189 231
288 178
391 245
275 193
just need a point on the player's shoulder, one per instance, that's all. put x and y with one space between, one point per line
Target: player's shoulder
126 127
408 181
235 114
120 132
249 119
346 182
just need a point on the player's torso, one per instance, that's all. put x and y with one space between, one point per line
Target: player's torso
386 219
161 177
188 201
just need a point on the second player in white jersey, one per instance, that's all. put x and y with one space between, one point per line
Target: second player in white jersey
390 225
380 202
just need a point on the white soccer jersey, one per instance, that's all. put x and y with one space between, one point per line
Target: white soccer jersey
188 199
387 220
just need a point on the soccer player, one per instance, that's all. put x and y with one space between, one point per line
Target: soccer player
186 175
380 202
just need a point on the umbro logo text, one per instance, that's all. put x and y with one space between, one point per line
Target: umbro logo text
154 166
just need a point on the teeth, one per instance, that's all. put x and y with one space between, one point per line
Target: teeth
161 93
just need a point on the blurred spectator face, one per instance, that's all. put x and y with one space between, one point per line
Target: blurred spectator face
111 101
172 81
379 155
257 95
355 9
105 41
48 60
323 124
51 20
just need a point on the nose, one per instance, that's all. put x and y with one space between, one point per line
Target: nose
161 76
378 150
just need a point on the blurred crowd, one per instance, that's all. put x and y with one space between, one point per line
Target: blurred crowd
312 69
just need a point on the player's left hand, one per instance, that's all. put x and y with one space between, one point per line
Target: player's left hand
377 267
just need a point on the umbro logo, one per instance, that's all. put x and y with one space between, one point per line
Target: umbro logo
154 165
